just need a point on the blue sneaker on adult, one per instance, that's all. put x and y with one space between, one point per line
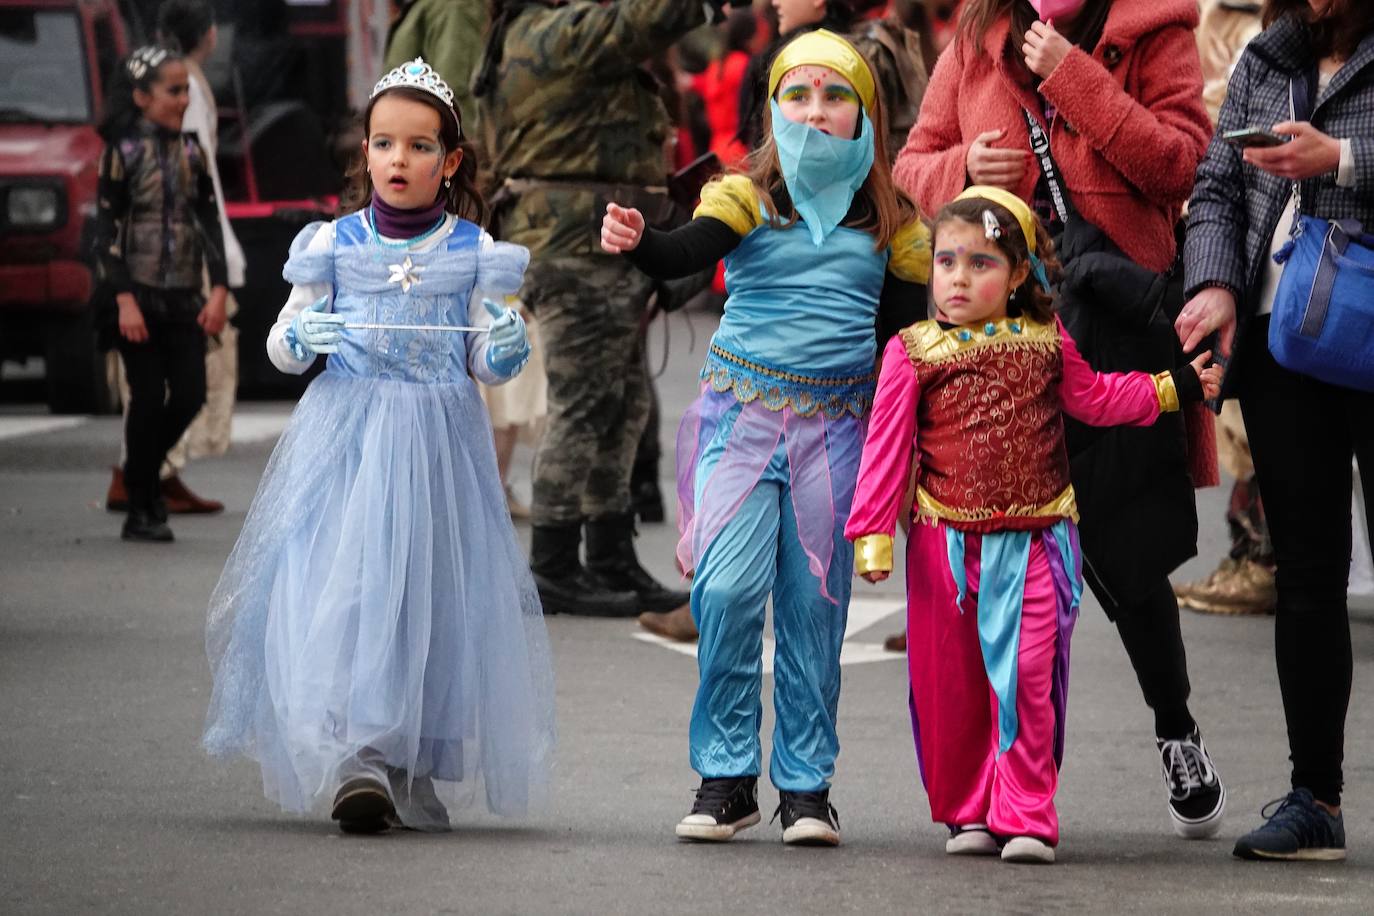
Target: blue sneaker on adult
1297 830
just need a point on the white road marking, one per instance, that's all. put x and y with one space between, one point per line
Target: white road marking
14 427
863 613
252 426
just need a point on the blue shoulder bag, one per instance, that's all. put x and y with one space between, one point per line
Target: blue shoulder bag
1323 321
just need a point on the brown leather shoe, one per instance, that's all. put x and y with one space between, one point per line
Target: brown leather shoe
896 642
116 497
181 501
676 624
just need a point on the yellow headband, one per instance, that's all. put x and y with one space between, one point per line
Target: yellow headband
1015 205
823 48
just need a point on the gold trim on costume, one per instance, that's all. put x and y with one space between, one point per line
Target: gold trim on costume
1062 506
873 553
927 342
793 377
1166 391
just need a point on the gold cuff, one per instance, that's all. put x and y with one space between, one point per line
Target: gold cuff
873 553
1166 391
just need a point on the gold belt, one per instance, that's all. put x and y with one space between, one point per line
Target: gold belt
792 377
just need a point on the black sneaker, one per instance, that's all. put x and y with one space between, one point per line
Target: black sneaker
1197 799
808 819
362 805
1297 830
723 808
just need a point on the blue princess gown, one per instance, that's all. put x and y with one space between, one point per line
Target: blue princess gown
377 615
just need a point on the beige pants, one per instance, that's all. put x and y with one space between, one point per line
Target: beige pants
523 402
1233 446
208 434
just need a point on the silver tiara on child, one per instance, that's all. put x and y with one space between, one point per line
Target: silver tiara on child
415 75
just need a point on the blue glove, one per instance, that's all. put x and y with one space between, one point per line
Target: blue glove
508 346
314 330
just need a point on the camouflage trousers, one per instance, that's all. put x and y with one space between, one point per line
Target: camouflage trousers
589 310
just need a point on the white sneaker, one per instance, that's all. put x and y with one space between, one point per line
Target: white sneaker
971 840
1028 849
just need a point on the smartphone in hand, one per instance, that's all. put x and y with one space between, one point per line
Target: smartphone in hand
1254 136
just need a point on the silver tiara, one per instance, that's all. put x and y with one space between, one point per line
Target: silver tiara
416 75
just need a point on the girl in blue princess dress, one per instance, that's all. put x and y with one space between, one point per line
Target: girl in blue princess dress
376 639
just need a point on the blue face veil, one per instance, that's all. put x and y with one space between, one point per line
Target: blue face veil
821 172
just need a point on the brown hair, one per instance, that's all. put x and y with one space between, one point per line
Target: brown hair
461 198
976 17
884 208
1337 31
1032 299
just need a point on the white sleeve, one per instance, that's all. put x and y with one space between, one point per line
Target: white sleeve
302 294
1345 173
478 344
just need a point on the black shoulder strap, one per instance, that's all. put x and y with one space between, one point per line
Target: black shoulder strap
1040 146
1304 94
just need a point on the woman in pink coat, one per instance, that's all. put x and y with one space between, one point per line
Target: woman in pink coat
1117 86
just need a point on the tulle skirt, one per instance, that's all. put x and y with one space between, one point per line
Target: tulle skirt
377 615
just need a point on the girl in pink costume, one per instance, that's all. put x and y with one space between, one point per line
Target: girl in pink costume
974 399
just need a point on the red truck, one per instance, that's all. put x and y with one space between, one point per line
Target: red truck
55 59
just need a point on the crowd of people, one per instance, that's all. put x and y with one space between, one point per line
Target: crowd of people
988 270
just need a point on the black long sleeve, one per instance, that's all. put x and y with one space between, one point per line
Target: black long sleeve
112 213
683 251
900 304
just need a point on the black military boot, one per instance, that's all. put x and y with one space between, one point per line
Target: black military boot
565 586
612 562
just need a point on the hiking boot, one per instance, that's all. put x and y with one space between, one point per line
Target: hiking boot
1029 850
1297 830
565 586
1244 587
362 805
1197 799
971 840
723 807
676 624
808 819
612 563
181 501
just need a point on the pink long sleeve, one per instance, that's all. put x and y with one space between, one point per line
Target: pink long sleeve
889 449
1104 398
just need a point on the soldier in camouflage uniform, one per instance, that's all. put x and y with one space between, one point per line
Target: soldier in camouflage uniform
577 122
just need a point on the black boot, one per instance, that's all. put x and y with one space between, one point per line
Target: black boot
565 587
612 562
645 495
144 523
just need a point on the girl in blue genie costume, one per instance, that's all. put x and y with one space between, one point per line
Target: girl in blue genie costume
814 238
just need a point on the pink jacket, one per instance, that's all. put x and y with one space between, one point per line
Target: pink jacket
1130 131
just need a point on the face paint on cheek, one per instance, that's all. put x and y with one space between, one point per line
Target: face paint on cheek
992 290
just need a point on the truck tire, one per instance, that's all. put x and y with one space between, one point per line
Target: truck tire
76 378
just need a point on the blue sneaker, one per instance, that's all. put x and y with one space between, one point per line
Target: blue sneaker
1297 830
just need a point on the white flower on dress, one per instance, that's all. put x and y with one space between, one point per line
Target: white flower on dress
406 273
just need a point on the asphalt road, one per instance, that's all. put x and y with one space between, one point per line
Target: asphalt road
109 805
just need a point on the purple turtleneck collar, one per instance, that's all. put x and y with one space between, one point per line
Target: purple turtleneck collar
395 223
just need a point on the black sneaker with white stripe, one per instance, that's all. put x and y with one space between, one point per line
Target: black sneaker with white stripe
1197 799
808 818
723 808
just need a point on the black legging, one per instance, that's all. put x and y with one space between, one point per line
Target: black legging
1303 434
1149 630
166 390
